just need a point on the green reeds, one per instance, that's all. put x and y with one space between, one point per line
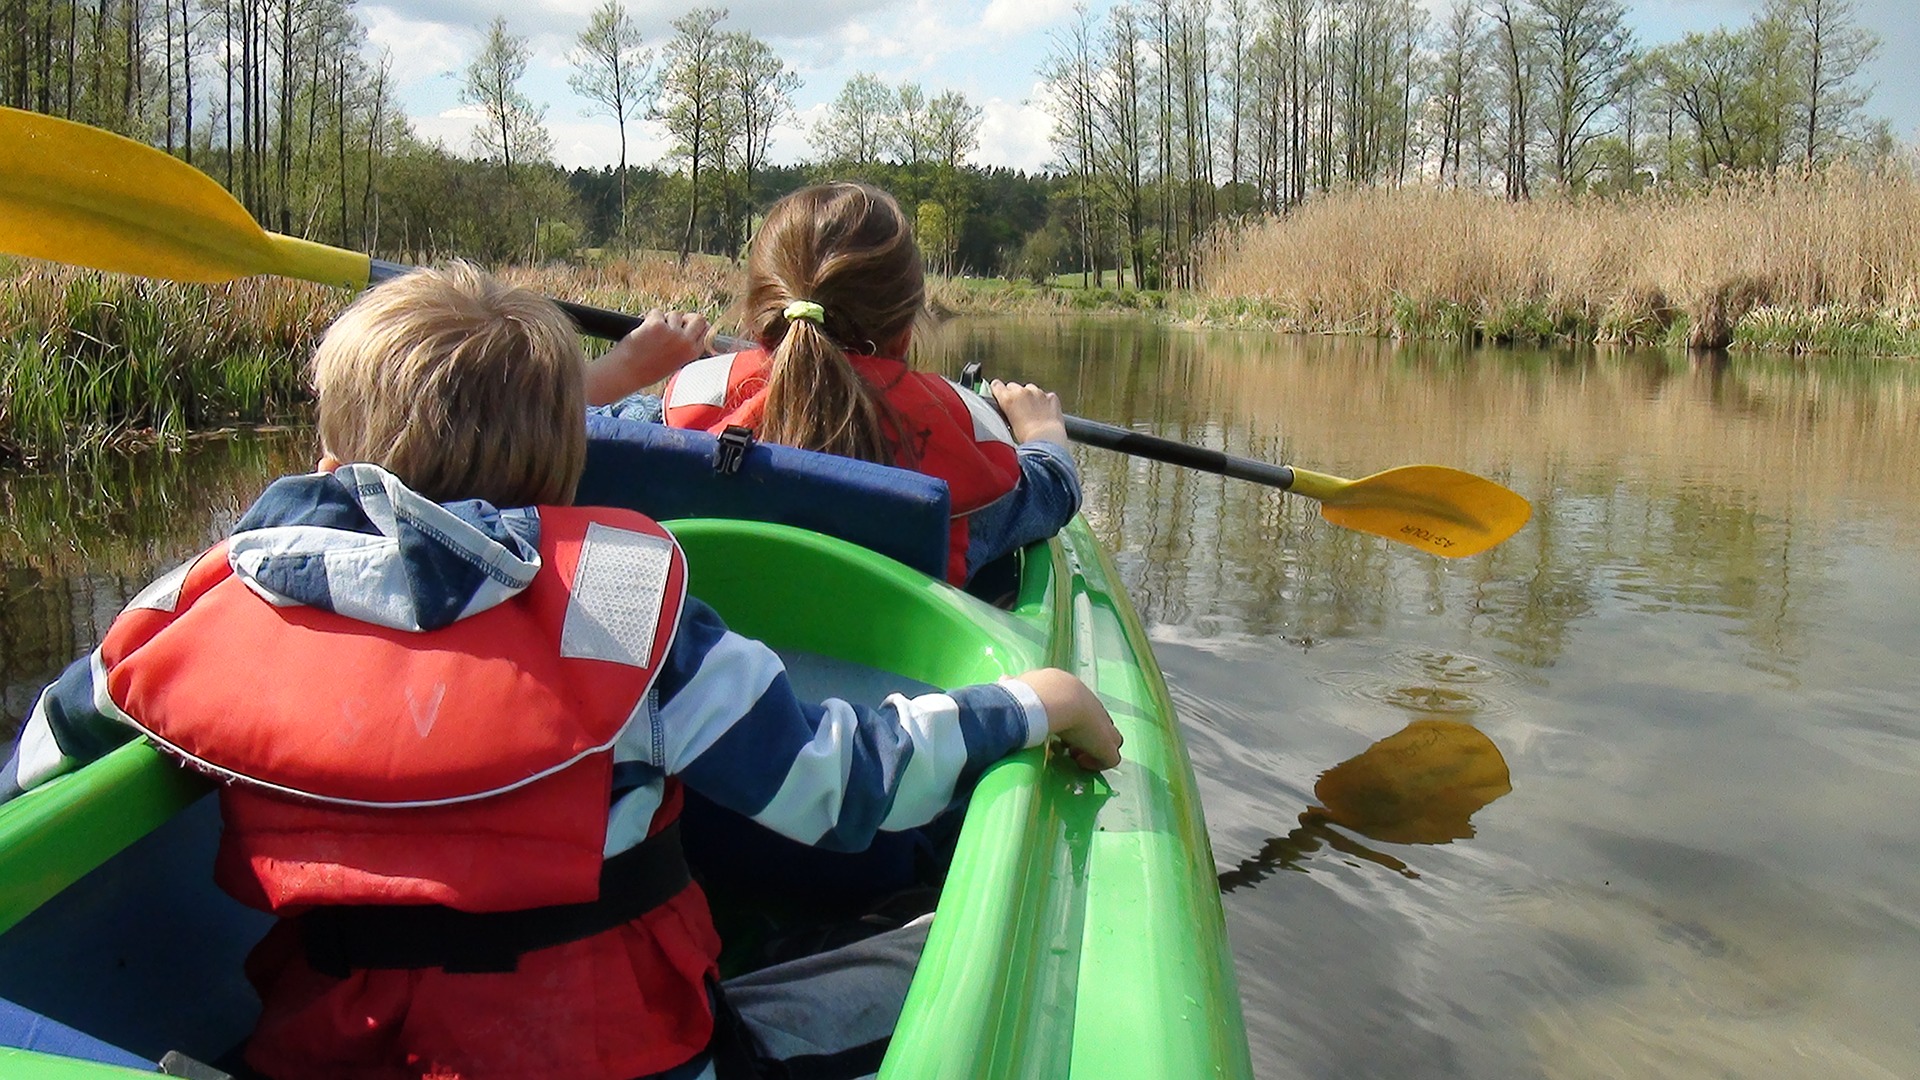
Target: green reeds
89 358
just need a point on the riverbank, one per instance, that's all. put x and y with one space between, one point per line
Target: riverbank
1828 262
90 359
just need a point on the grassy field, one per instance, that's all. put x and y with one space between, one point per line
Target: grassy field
1827 262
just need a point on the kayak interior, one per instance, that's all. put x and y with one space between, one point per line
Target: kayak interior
1070 895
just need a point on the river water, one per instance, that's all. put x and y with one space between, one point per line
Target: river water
1636 793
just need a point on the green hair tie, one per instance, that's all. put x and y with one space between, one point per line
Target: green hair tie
806 311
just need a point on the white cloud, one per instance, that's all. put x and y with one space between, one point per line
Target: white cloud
421 50
1008 18
1016 134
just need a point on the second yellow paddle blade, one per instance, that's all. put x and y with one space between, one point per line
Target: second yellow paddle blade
1431 507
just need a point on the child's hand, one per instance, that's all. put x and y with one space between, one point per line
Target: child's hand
1033 414
1076 717
662 344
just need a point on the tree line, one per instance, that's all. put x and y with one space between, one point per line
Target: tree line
1171 115
280 100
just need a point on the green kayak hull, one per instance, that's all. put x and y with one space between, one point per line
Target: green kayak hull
1080 931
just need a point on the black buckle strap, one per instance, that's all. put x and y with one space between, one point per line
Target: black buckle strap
340 940
731 451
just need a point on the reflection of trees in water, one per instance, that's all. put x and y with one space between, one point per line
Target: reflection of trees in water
1666 482
77 544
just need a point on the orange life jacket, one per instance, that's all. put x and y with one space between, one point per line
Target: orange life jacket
953 434
467 767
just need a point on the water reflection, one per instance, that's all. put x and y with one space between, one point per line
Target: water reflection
1420 785
76 543
1696 658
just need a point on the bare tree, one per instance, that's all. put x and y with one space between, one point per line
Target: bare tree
610 71
1830 49
1456 78
1586 49
1515 39
1070 74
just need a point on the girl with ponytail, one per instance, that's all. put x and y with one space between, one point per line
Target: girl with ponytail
834 293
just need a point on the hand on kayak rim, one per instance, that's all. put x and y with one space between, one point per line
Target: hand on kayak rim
1076 717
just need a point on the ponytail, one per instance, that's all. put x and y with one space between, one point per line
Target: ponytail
833 266
816 400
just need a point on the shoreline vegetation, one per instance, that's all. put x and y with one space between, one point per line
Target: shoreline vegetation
1827 262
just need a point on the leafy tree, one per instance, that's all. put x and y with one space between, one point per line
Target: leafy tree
693 83
1830 51
610 71
853 132
762 88
1587 50
1735 88
512 125
909 130
953 127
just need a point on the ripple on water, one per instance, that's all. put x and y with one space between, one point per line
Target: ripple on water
1429 682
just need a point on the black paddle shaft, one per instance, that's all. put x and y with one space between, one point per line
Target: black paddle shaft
592 321
1140 444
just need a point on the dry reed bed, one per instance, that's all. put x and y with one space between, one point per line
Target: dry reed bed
1798 262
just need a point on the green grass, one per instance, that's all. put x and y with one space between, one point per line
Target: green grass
89 358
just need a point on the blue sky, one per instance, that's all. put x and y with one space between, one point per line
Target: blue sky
989 49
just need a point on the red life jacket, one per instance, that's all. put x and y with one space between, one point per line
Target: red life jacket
468 767
955 435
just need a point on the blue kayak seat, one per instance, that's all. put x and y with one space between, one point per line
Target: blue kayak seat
667 473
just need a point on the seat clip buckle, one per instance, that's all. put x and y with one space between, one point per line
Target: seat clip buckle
731 451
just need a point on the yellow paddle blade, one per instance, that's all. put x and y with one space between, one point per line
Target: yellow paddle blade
1420 785
76 194
1431 507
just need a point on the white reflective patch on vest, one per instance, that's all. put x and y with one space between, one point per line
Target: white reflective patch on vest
703 382
988 424
164 593
617 592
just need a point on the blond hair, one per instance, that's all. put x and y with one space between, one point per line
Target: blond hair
462 386
848 248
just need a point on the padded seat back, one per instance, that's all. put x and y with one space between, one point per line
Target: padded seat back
667 473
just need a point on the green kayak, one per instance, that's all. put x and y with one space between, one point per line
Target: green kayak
1079 932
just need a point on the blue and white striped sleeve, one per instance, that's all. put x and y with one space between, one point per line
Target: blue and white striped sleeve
829 774
64 731
1041 504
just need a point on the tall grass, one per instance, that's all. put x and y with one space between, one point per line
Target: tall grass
88 357
1797 262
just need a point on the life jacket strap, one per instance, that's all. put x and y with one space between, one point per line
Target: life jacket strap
342 939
